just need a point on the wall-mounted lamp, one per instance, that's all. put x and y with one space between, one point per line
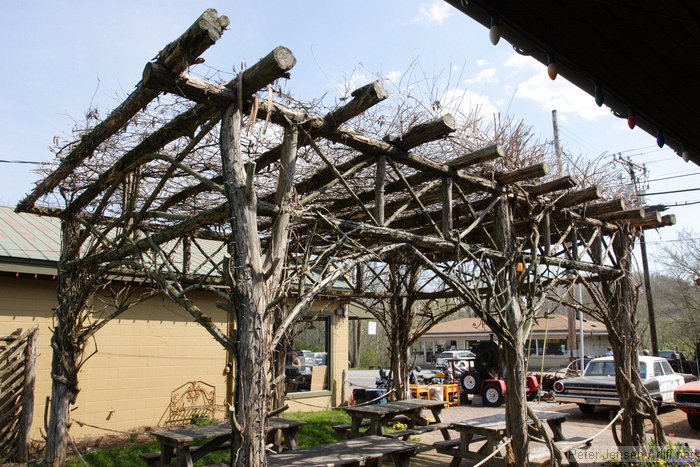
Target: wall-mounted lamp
341 311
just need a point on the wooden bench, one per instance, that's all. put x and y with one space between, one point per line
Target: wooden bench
347 426
153 458
539 453
366 450
404 434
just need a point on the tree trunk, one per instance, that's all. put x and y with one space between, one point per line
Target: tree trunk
516 408
355 343
66 350
508 302
625 348
248 302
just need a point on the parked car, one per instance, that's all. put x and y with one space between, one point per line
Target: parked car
321 358
441 360
678 362
597 385
687 399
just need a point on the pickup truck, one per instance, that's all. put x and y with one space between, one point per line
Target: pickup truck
597 385
678 361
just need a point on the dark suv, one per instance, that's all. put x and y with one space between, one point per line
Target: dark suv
678 362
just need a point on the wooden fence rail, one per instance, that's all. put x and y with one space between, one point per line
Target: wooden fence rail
17 375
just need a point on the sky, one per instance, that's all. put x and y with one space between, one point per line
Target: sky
61 58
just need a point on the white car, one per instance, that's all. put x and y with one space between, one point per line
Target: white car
597 385
444 357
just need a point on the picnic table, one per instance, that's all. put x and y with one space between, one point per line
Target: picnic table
378 414
178 442
493 429
368 451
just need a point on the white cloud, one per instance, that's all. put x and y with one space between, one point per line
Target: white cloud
487 75
435 12
560 95
480 62
462 102
393 76
522 62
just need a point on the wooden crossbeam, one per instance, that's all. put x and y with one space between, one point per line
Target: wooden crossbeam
176 57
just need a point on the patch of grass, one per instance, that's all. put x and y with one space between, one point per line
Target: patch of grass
318 429
319 426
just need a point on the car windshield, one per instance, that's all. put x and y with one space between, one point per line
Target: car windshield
604 368
607 368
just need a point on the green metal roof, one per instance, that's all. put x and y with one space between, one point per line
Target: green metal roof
28 237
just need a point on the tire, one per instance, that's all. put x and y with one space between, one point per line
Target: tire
531 396
694 421
492 395
586 408
470 382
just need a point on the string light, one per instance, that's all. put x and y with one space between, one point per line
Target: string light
599 96
660 140
494 31
631 119
685 154
552 68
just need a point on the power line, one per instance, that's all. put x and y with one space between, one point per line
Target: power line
21 162
671 178
667 192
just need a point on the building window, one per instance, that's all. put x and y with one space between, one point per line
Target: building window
307 367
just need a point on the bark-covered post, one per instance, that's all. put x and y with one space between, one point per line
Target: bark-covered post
507 299
400 318
66 346
625 344
255 284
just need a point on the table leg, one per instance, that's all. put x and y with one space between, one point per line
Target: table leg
183 457
290 437
356 424
401 459
166 454
555 426
376 427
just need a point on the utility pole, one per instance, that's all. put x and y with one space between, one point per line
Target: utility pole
632 169
571 313
557 145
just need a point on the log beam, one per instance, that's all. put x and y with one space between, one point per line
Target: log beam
176 56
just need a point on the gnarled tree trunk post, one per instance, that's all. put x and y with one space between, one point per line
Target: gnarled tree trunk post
512 349
255 284
625 343
67 348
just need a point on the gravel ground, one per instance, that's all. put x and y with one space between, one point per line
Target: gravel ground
577 424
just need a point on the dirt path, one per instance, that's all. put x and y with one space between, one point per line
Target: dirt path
577 424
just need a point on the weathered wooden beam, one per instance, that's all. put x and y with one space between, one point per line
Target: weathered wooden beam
562 183
424 132
379 183
447 208
414 160
269 68
176 56
652 220
526 173
363 98
568 200
273 66
636 214
607 207
485 154
492 151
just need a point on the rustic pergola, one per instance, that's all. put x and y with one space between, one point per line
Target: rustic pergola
285 192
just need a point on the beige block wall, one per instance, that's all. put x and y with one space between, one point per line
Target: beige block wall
142 357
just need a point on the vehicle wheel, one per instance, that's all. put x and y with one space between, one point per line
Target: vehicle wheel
586 408
531 396
493 397
694 421
471 382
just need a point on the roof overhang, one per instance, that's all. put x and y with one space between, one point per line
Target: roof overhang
645 56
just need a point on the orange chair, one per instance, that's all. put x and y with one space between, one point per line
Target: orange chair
419 391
